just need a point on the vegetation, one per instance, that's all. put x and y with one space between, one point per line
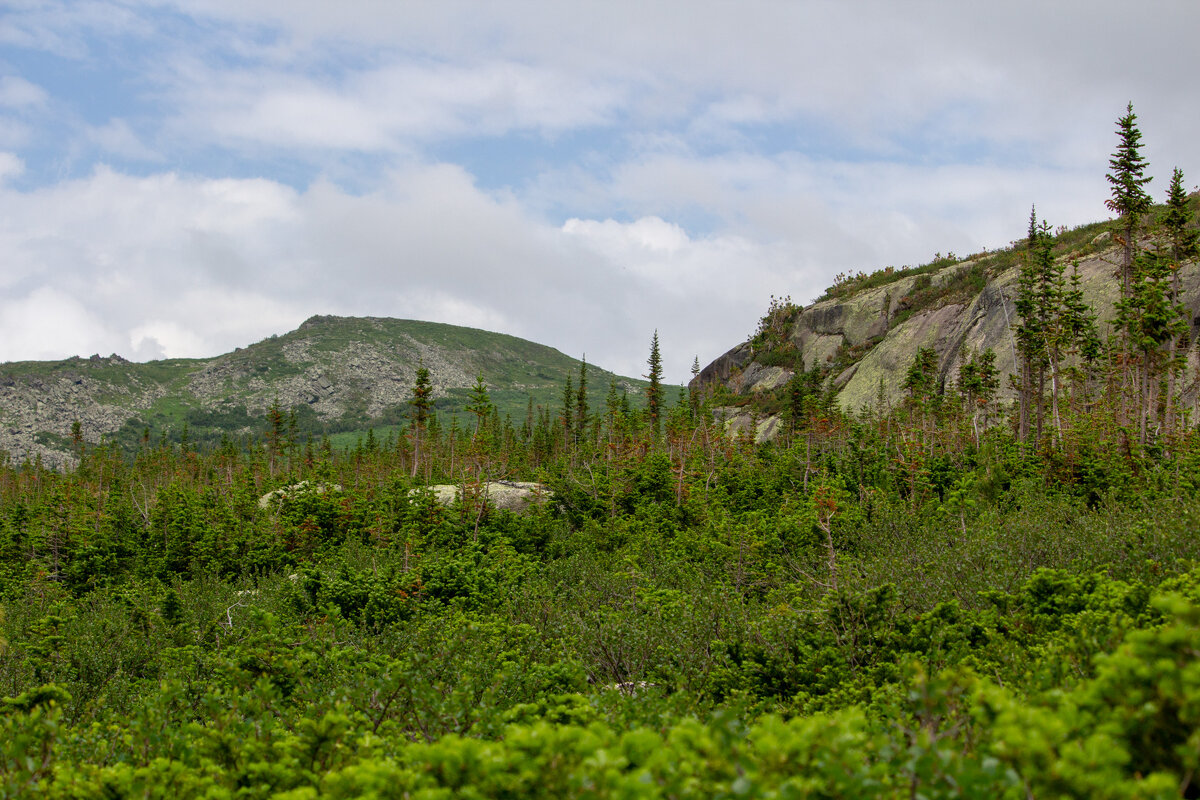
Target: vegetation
923 601
874 606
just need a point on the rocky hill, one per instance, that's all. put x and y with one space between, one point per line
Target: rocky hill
338 374
864 333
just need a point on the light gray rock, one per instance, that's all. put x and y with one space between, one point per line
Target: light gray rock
738 422
515 496
294 491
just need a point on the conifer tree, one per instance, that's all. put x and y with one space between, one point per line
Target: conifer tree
1030 335
568 412
654 392
421 403
1130 202
694 387
276 420
1082 335
581 400
1129 198
1182 240
480 404
1153 323
977 382
921 379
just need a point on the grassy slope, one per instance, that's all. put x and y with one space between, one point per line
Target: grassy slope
514 369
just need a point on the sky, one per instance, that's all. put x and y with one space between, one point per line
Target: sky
178 179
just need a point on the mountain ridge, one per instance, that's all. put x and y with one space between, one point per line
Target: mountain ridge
336 374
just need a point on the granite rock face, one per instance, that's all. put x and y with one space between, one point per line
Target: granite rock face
883 332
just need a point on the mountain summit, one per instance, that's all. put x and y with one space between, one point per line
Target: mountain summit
334 374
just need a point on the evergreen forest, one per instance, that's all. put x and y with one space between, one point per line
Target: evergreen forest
958 596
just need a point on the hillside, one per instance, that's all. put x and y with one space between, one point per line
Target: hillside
338 374
864 332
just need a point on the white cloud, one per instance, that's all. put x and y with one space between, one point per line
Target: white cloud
64 29
385 108
10 167
49 323
16 92
167 266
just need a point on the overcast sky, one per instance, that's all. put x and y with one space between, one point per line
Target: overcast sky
181 178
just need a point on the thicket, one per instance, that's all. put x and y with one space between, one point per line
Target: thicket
878 605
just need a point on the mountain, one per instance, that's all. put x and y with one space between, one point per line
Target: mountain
337 374
863 334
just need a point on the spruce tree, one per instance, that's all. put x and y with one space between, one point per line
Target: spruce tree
1153 322
1030 335
1177 223
1129 198
977 382
694 387
1182 242
1130 202
276 421
568 412
1082 335
654 392
480 404
582 415
422 404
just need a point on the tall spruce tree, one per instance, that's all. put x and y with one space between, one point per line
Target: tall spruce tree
582 412
568 412
422 405
1129 200
654 392
1030 334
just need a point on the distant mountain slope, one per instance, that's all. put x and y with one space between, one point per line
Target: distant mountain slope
865 332
337 373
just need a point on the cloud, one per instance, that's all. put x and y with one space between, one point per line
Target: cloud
10 167
118 138
388 108
66 29
167 266
16 92
49 324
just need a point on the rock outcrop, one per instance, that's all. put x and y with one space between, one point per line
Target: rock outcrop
515 496
867 340
296 490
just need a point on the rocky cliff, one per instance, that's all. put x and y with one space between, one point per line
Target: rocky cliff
865 336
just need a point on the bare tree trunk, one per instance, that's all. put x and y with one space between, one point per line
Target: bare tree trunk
1054 399
1144 405
416 449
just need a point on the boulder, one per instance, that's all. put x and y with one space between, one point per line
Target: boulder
515 496
295 490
